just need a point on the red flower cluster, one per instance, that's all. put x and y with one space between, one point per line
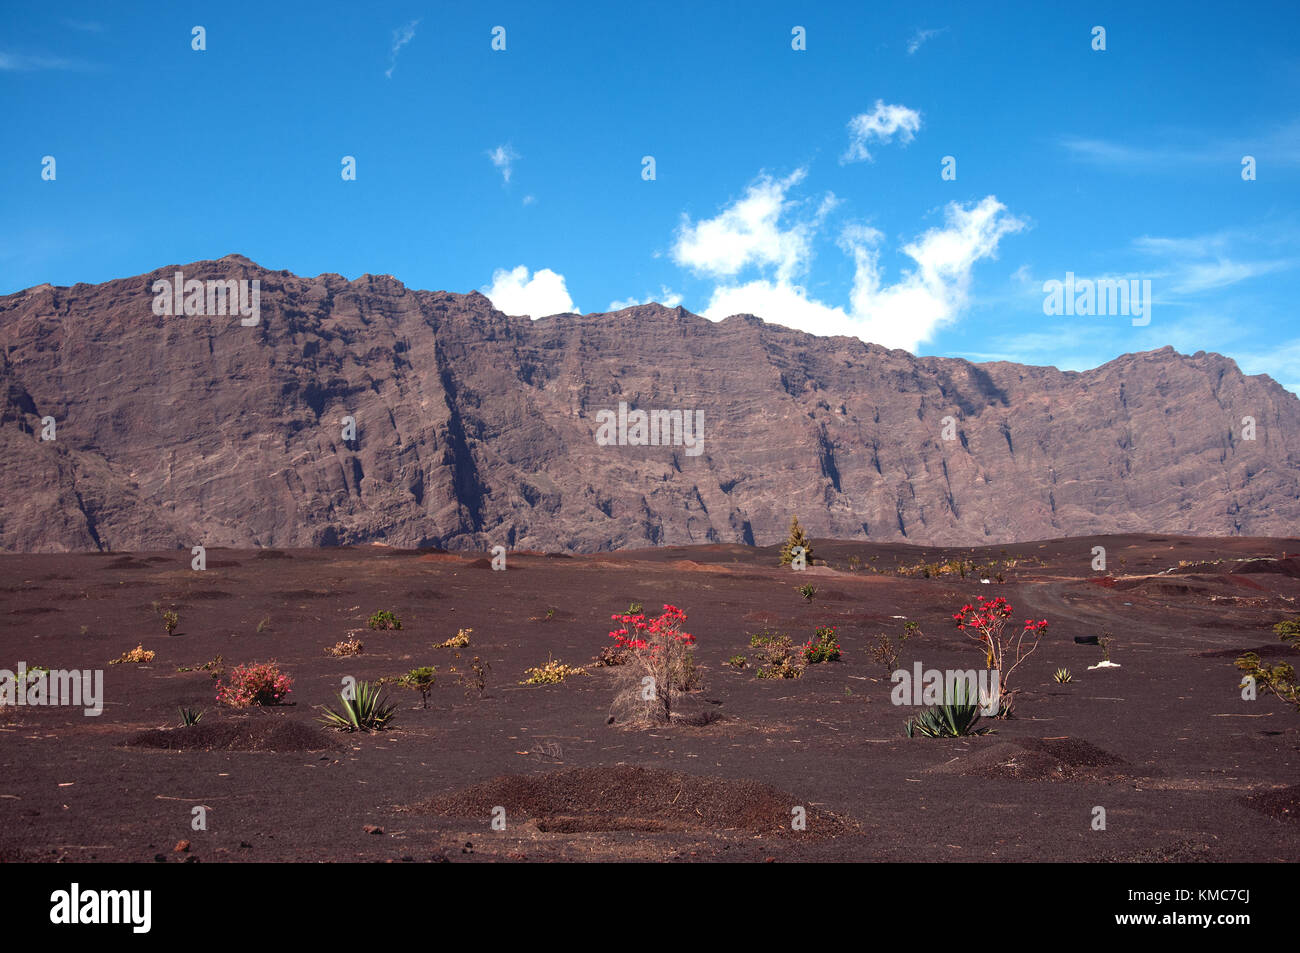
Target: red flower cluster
990 614
639 634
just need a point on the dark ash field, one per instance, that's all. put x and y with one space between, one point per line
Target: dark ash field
1185 768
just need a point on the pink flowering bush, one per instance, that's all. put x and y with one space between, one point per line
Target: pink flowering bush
257 683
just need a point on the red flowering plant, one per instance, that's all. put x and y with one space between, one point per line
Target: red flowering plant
661 654
823 647
985 622
257 683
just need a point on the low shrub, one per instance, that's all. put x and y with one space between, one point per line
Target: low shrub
552 673
457 641
136 656
255 683
776 655
383 619
351 646
822 647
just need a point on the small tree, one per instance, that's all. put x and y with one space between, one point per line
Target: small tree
661 656
421 678
796 538
1003 652
1279 678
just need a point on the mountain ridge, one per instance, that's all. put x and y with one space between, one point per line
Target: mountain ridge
477 429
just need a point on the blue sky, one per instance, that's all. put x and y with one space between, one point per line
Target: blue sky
802 185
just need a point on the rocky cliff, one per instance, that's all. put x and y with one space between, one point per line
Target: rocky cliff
473 428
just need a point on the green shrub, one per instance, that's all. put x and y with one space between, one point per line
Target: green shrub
422 679
383 619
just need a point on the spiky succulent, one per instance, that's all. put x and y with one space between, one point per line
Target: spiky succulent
366 710
955 718
1063 676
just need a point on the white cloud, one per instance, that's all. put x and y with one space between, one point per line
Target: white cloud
919 37
513 292
666 297
503 158
748 233
401 36
18 62
906 313
881 124
529 200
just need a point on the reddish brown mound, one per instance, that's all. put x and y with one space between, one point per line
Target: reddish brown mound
250 734
1035 759
1283 804
625 798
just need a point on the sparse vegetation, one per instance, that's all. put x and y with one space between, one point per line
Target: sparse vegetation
1063 676
384 620
552 673
367 710
777 655
738 661
1278 678
807 591
263 625
477 678
885 652
349 646
216 667
422 679
458 641
1105 641
135 656
190 717
170 621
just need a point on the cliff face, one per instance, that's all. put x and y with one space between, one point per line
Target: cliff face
475 429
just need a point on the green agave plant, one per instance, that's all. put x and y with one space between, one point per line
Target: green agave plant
367 710
190 716
955 718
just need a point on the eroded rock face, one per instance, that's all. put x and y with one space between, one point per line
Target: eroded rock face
476 429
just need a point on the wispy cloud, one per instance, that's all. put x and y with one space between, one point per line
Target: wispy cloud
1279 145
880 125
20 62
920 37
85 26
1201 263
666 297
401 36
504 157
